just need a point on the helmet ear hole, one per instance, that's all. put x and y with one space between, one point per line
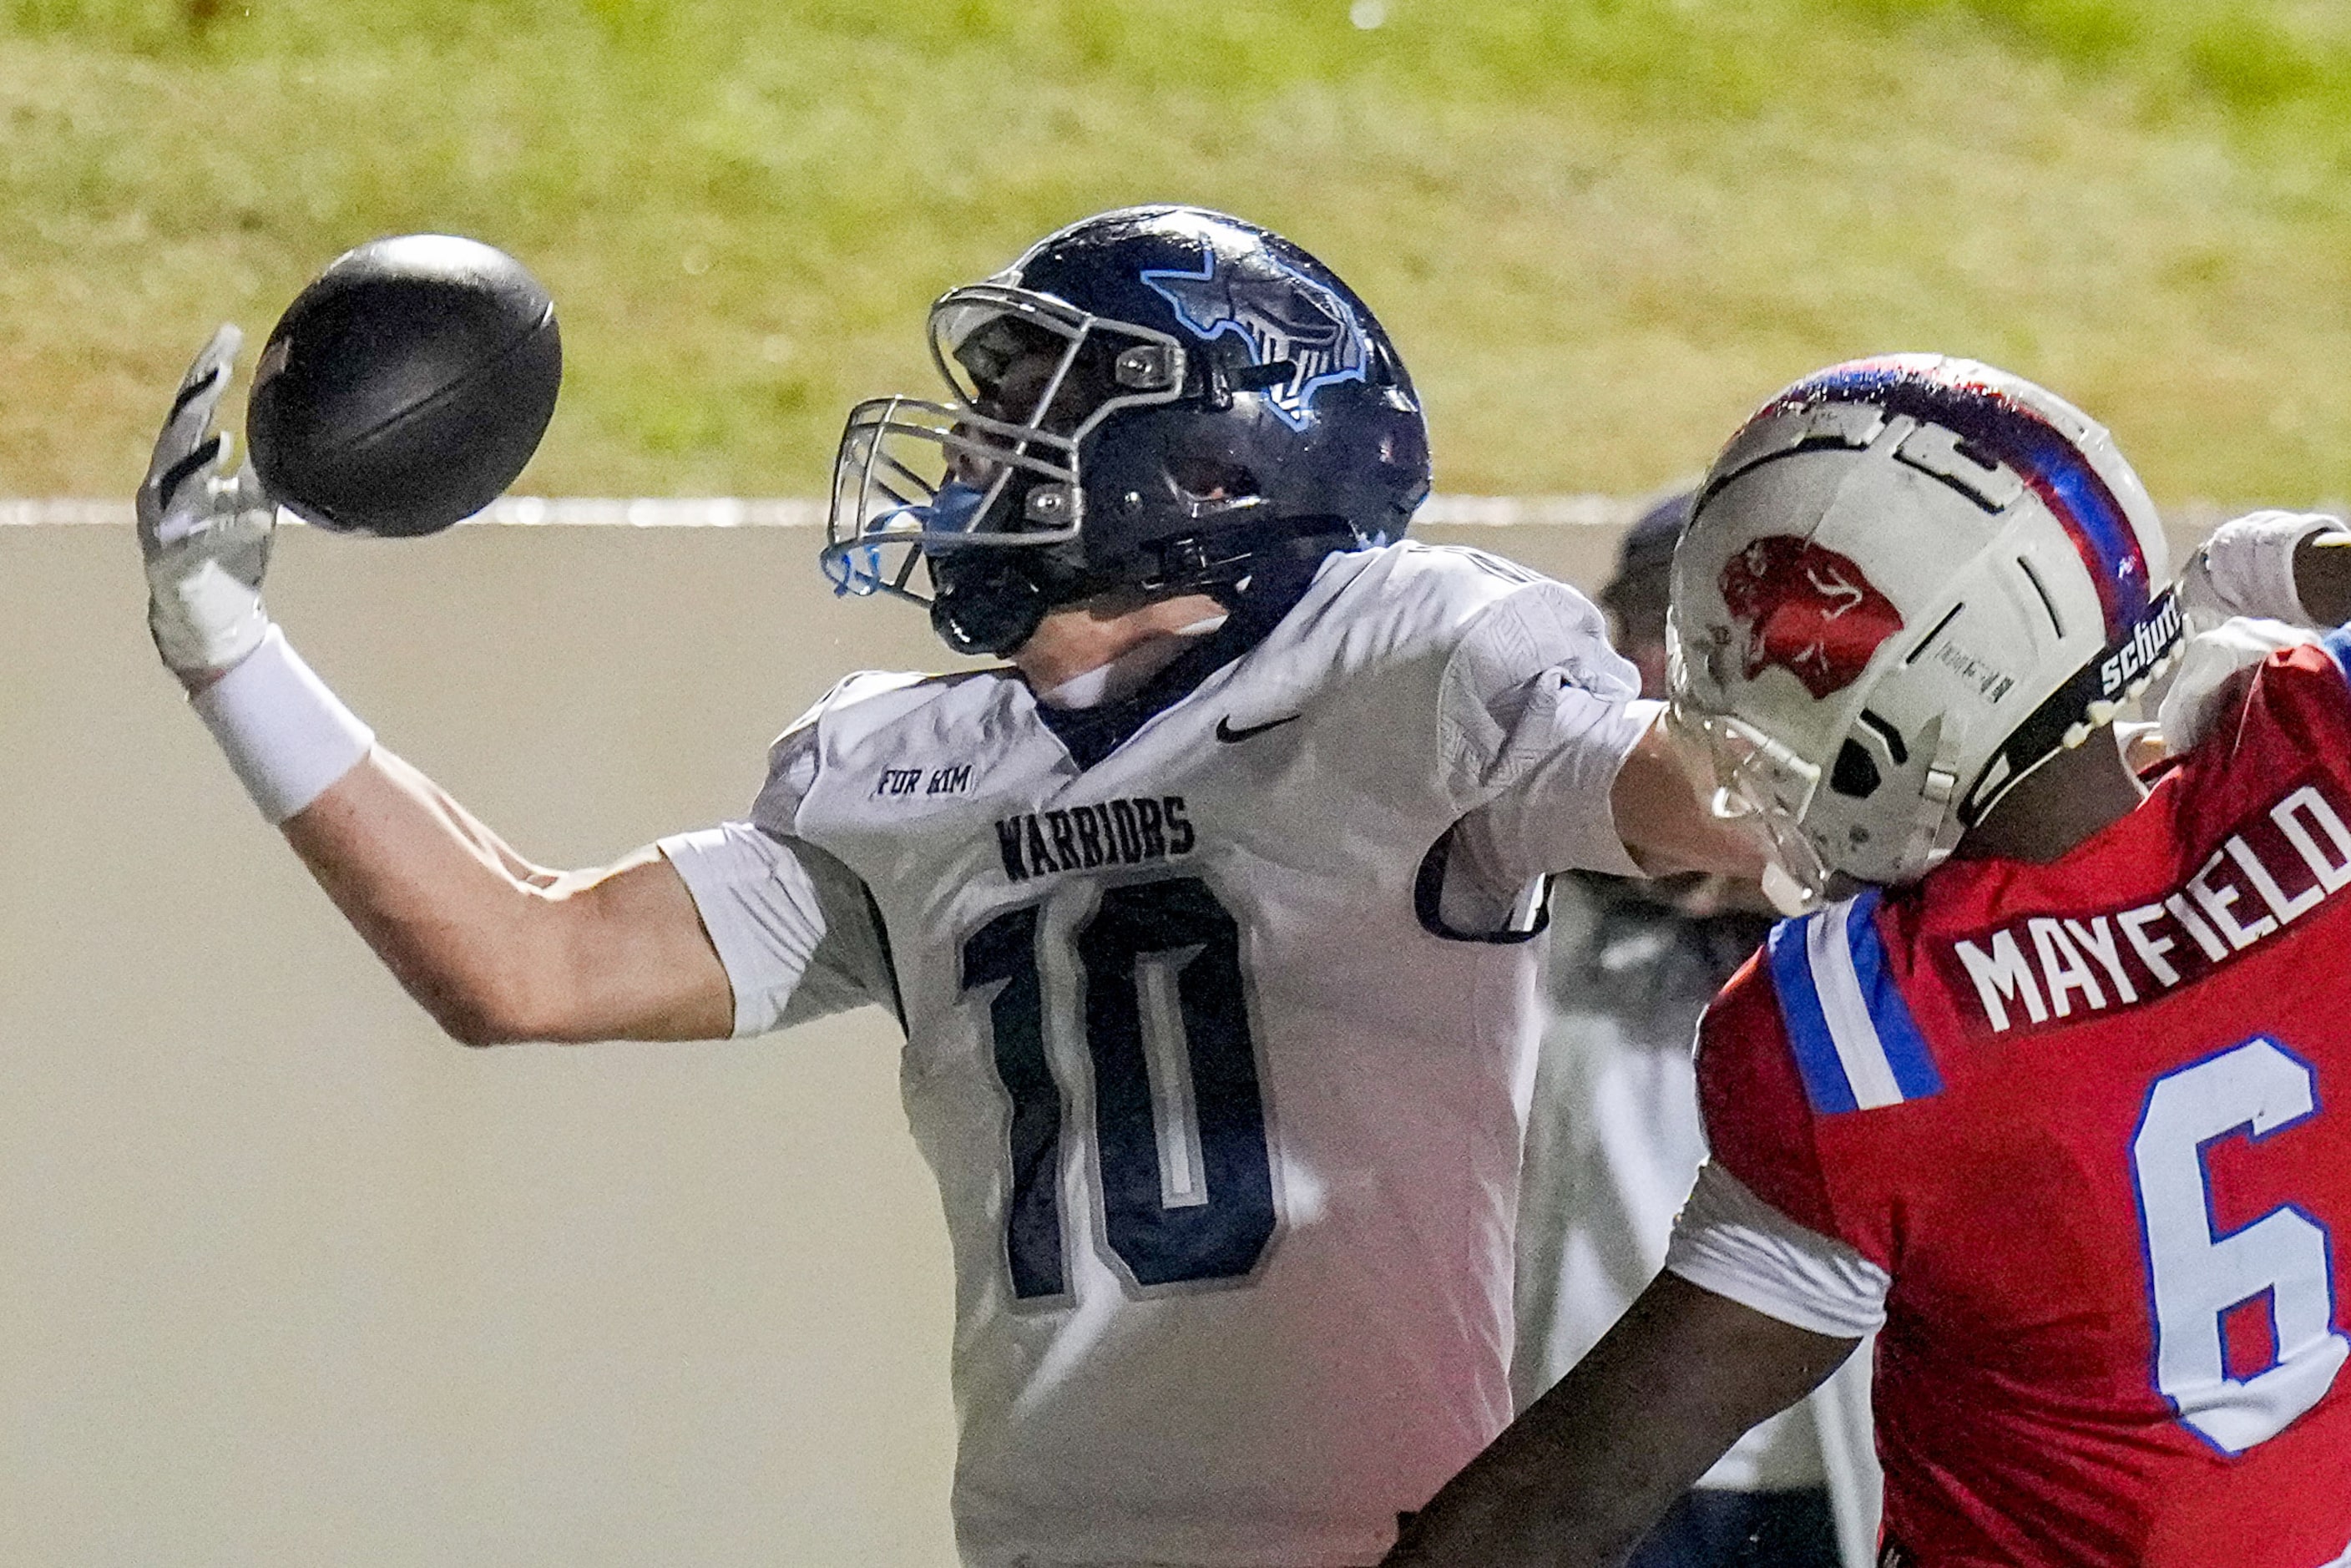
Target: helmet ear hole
1210 476
1856 774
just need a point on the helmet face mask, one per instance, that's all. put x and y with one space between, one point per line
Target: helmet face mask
1145 402
998 467
1906 584
1763 788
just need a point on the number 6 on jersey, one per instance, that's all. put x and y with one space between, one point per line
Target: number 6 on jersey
2196 1275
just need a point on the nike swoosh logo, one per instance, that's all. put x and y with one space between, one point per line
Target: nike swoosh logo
1229 736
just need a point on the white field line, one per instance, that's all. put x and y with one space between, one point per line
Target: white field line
783 512
2193 519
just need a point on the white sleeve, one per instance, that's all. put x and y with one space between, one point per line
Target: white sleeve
1537 715
793 927
1558 814
1729 1241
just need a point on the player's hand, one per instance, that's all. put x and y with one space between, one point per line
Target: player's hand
2247 569
2207 689
204 530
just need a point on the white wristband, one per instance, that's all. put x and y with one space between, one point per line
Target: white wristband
285 735
2250 563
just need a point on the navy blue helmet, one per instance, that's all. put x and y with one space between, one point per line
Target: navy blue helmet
1154 401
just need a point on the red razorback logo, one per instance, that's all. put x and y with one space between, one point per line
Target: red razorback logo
1808 610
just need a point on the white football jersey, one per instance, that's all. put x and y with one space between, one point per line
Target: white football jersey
1226 1120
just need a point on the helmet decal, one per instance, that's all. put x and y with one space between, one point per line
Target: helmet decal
1287 318
2049 462
1807 610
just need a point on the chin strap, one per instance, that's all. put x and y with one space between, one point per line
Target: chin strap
1219 563
2087 700
986 607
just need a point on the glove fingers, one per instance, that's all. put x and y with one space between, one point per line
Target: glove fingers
181 510
243 520
214 357
220 513
242 492
204 529
192 406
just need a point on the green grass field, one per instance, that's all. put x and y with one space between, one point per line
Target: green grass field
1601 231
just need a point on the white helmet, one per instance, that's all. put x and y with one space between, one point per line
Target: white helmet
1908 582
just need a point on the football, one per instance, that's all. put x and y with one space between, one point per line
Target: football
405 387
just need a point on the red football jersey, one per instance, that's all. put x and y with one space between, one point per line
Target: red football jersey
2094 1118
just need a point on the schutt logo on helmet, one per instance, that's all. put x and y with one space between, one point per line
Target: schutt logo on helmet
1808 610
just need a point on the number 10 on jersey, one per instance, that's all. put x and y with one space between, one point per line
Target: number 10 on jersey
1180 1115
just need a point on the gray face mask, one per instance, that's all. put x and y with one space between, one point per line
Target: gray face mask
917 479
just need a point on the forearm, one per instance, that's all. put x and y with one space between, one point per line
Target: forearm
431 893
497 949
470 827
1589 1468
2322 576
1666 822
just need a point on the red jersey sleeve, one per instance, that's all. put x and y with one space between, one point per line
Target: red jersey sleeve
2301 699
2295 726
1758 1122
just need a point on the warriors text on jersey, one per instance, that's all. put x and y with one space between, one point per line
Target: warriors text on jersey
2089 1118
1223 1089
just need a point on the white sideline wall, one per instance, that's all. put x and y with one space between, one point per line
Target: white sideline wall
288 1277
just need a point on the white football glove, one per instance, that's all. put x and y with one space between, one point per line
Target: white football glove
2246 568
205 533
2208 685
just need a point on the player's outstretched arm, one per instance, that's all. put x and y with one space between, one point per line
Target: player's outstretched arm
1578 1479
495 948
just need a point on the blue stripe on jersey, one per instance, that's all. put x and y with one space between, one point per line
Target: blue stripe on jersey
1898 1032
2339 642
1826 1084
